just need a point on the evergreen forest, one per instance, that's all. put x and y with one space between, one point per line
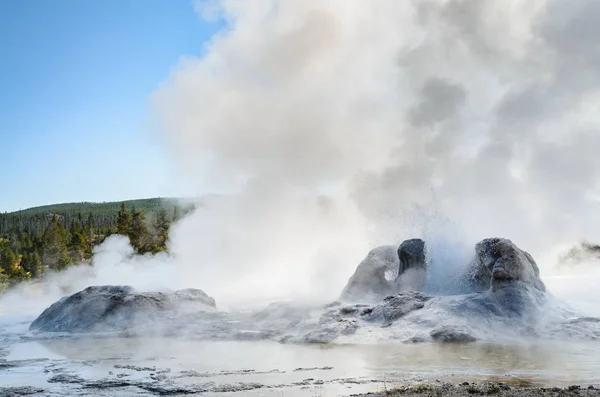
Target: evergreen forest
52 238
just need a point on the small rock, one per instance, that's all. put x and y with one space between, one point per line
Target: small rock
20 391
452 334
347 310
66 378
415 339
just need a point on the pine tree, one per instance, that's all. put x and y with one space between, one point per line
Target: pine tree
25 243
74 227
78 247
91 227
64 261
138 232
8 259
4 281
55 254
123 221
9 263
161 225
32 263
91 222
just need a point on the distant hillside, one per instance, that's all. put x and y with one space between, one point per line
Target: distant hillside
99 215
148 205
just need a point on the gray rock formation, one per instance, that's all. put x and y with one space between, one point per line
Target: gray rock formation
380 273
497 263
502 262
411 254
501 286
507 299
374 277
116 308
452 334
394 307
412 273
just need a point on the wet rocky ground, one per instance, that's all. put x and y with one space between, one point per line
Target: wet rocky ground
482 389
64 365
67 365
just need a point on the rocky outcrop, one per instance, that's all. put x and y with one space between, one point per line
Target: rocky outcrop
501 285
374 277
477 277
340 321
411 254
452 334
380 273
394 307
117 308
497 263
506 297
503 263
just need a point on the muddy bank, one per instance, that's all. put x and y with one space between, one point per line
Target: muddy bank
81 387
482 389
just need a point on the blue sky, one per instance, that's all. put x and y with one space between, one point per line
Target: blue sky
75 84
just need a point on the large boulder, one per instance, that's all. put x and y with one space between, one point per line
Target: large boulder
117 308
503 263
374 277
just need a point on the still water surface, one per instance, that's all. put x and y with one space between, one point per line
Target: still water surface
354 368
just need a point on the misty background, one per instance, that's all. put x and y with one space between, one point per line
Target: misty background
335 127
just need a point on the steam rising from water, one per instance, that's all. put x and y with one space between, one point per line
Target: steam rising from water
346 125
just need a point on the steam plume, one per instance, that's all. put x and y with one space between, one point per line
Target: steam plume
481 110
342 125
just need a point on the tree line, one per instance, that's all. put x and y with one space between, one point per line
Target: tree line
35 242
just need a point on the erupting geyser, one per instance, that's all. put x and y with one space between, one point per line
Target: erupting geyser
497 263
503 296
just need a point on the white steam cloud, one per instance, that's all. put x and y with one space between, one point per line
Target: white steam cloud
347 124
484 107
483 111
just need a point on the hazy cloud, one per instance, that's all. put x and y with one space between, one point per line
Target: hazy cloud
482 110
